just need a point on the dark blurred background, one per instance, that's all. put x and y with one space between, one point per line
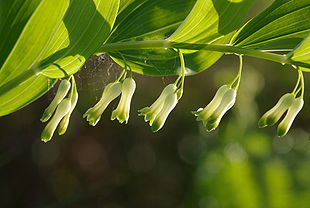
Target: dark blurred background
128 166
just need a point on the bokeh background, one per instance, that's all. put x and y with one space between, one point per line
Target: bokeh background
128 166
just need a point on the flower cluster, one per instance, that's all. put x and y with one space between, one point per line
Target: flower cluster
126 89
59 111
159 111
287 103
290 103
213 113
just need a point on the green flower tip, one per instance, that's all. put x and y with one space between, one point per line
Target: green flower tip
62 109
288 120
121 113
62 91
110 92
274 114
158 112
213 113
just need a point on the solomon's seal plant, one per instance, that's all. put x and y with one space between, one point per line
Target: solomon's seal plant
43 41
290 103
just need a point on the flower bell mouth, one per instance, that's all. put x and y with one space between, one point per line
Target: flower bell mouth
213 113
150 113
110 92
288 120
121 113
62 91
274 114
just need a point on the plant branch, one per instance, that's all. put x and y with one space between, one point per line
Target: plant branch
164 44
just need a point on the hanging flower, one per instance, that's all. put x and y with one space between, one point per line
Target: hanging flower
121 113
62 128
150 113
62 91
288 120
62 109
204 113
213 113
274 114
110 92
160 119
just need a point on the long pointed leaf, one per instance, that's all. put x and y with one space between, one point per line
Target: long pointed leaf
302 54
32 42
282 26
210 20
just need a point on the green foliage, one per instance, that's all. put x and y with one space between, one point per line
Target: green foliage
45 40
55 44
281 26
209 21
302 53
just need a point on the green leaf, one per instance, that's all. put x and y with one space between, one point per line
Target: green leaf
85 28
15 98
37 33
302 54
14 15
157 20
53 50
210 20
27 28
149 19
282 26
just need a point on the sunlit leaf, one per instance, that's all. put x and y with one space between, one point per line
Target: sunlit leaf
14 15
85 28
282 26
60 49
13 99
302 54
210 20
36 34
27 28
157 20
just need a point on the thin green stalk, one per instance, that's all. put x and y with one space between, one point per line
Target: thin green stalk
182 68
297 85
302 82
238 77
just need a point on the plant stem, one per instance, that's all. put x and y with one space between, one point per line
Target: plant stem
164 44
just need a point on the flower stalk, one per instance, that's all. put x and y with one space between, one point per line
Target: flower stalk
290 104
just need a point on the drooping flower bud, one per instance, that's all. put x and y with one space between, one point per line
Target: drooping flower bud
62 128
274 114
62 91
226 103
204 113
150 113
62 109
110 92
123 108
289 118
169 104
